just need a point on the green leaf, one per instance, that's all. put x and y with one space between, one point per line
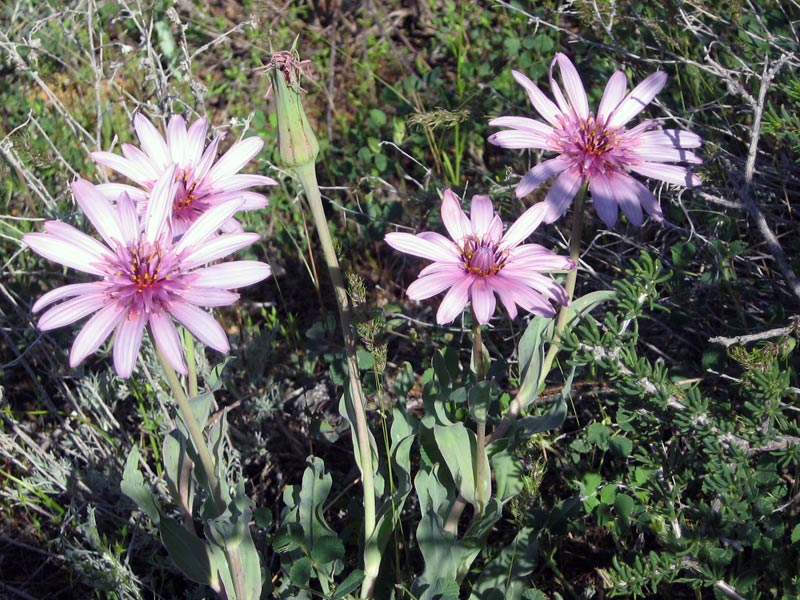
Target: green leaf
189 553
132 485
201 407
479 399
444 588
230 532
327 549
608 493
505 576
796 534
300 572
347 410
314 491
624 506
508 474
598 434
262 517
436 544
620 446
530 351
458 447
543 44
582 306
552 419
365 360
350 584
178 469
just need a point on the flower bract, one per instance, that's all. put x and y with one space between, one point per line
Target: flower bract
481 262
597 149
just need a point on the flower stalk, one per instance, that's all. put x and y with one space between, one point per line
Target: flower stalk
530 388
572 278
299 148
195 431
480 427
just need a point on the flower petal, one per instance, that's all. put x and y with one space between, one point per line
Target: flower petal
540 173
455 220
67 291
612 96
218 247
231 275
208 224
95 332
128 219
481 214
132 170
166 340
605 200
151 140
209 297
523 124
454 301
573 86
561 194
668 173
638 99
543 105
177 141
416 245
241 181
202 325
99 211
514 139
157 219
483 301
72 310
112 191
670 138
127 341
236 158
524 226
62 252
195 140
434 283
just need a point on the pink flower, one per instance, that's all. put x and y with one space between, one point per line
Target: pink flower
146 279
598 149
203 181
481 262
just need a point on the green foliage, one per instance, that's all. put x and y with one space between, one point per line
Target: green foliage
714 492
673 467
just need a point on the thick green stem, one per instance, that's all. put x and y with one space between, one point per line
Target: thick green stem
572 277
308 178
480 430
195 431
529 389
191 380
480 467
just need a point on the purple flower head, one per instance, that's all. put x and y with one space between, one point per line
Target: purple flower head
481 261
202 181
597 149
146 278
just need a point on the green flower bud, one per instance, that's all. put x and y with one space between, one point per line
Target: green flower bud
296 140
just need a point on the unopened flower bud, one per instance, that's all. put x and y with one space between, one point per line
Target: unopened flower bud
296 140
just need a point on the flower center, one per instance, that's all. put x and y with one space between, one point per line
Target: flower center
144 268
593 147
185 197
481 257
593 138
144 276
